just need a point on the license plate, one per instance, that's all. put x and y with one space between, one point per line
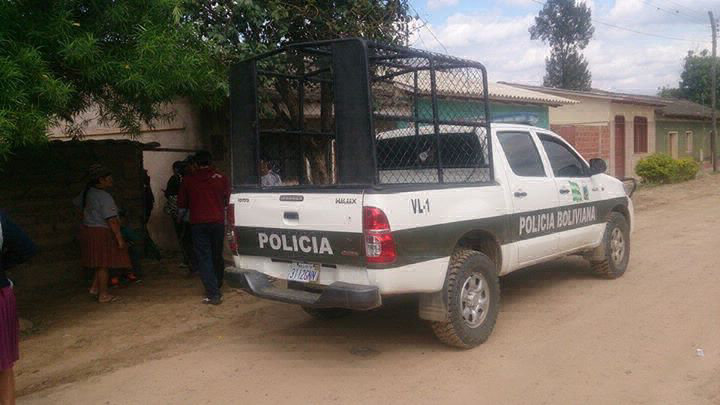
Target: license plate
304 272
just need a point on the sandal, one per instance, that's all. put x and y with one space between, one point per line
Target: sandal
113 298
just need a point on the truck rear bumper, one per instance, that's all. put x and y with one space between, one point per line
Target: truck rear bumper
336 295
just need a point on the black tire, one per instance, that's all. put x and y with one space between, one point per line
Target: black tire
457 332
610 267
327 314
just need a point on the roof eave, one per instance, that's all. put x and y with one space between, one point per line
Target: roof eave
636 102
686 117
512 100
577 93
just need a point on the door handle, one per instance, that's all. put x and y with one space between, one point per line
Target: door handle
520 194
564 190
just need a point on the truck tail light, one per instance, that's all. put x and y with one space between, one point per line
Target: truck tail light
230 228
379 243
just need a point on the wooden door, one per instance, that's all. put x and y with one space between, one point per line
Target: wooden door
672 144
619 146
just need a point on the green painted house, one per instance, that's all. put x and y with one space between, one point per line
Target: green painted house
683 129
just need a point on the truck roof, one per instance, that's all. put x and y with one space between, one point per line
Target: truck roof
450 129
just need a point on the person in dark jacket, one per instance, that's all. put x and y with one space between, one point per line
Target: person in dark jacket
182 228
151 249
206 193
15 248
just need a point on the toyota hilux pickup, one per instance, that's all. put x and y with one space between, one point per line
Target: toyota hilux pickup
413 191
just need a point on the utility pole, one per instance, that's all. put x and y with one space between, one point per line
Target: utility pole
713 90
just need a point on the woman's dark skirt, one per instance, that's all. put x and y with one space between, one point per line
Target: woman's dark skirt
9 329
100 249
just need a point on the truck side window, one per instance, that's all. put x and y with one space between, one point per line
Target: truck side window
564 162
521 153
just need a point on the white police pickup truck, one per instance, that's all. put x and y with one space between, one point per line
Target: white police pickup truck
448 212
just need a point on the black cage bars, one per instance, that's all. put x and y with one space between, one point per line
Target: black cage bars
357 112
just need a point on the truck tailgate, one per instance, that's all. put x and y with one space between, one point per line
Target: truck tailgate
324 228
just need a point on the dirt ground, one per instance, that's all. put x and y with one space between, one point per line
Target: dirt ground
562 335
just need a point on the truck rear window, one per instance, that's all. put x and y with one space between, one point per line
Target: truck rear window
414 158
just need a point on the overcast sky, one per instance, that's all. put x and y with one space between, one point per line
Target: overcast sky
495 32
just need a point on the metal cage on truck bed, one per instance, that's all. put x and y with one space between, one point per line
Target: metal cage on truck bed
355 112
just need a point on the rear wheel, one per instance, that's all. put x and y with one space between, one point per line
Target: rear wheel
472 293
326 314
617 248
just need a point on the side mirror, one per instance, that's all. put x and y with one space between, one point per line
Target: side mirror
597 166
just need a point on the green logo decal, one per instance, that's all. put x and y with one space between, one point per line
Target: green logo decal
575 189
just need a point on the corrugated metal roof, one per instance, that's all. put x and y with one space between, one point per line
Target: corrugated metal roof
596 93
499 91
452 84
685 109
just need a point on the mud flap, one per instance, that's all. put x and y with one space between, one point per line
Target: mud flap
599 253
433 307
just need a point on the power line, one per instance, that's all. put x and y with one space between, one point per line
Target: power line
648 33
675 13
419 37
699 13
427 26
635 31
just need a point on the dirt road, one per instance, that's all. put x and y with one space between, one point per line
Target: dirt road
562 336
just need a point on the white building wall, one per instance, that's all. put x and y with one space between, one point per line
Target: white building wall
182 132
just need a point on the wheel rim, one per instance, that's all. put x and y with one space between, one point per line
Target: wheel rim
475 300
617 246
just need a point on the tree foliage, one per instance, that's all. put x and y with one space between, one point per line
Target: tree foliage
670 92
125 58
565 25
695 79
240 27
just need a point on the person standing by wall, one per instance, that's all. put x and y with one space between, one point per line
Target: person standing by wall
102 244
151 249
182 228
206 193
15 248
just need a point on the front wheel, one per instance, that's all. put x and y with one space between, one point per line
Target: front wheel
616 243
472 293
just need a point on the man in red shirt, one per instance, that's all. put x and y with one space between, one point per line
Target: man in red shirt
206 193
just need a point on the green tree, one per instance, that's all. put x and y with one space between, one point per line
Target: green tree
565 25
695 79
671 92
242 27
126 58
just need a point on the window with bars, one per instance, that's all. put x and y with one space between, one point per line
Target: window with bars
641 134
689 142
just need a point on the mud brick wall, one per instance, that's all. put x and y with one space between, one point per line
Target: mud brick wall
37 189
592 141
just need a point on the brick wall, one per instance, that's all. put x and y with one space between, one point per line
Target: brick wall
592 141
37 190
